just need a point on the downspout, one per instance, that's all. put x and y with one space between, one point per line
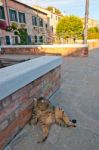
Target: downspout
7 12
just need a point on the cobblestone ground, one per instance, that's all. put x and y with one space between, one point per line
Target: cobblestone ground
79 96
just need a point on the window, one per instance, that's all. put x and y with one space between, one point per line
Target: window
29 39
46 25
16 40
0 41
35 38
34 20
41 39
8 40
22 17
58 18
2 14
52 29
13 15
40 22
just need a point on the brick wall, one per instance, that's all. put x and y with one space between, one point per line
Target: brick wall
93 44
53 50
15 110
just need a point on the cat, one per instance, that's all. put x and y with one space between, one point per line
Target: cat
46 114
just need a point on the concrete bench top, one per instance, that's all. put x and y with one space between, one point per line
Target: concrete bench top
17 76
47 46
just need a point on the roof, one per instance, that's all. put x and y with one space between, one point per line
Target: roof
44 10
41 8
35 9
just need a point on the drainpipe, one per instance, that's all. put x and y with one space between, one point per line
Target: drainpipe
6 5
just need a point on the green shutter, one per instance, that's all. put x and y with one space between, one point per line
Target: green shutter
24 18
19 17
10 14
2 14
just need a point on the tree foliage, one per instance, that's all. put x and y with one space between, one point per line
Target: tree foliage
69 27
22 33
53 10
93 33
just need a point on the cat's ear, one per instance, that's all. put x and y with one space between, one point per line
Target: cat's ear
35 101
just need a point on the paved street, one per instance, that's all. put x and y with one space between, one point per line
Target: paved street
79 96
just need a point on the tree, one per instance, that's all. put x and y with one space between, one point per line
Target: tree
22 33
93 33
69 27
53 10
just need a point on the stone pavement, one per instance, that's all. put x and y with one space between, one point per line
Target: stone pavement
79 96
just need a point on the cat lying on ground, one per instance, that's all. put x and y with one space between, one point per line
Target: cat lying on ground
44 113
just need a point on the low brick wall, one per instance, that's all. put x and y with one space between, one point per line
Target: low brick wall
93 44
15 109
63 50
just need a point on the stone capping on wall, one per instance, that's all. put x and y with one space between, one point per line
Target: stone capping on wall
47 46
79 50
17 76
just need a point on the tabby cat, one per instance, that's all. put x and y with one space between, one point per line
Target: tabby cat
46 114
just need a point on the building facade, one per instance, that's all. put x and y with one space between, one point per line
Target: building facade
53 20
91 22
26 21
